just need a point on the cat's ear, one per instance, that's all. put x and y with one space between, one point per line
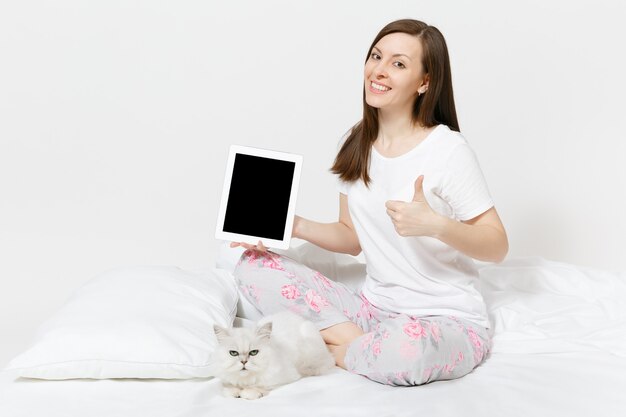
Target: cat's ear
220 332
264 331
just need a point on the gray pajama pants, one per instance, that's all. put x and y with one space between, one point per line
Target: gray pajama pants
396 349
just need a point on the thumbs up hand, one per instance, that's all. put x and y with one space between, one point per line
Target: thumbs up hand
416 217
419 190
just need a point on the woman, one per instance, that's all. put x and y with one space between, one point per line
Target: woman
414 200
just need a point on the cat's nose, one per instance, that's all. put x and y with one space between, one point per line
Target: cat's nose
244 362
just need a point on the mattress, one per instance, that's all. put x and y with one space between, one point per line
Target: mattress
559 350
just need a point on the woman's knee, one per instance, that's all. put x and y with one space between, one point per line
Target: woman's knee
408 351
418 371
457 356
252 263
247 258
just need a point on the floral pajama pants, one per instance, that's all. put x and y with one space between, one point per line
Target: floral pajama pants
396 349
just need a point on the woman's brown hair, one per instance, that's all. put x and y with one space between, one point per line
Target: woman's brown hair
435 106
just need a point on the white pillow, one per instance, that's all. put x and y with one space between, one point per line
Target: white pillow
134 322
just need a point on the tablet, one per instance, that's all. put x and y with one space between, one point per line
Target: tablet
259 196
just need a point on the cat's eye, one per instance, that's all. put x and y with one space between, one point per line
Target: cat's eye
234 353
254 352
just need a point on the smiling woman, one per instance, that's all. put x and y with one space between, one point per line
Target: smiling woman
409 80
413 198
406 60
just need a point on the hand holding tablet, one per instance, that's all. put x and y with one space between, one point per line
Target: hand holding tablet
260 247
259 197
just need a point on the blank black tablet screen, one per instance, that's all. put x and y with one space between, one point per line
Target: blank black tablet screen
259 196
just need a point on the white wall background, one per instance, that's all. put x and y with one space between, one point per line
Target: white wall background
116 117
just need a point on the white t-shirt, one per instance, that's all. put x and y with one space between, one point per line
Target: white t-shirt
420 276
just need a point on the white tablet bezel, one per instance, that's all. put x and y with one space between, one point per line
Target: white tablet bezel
291 211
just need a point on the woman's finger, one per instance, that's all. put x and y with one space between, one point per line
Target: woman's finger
259 247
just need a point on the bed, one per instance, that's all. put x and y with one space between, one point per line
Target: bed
559 333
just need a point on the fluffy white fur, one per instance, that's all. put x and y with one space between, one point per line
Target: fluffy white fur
283 348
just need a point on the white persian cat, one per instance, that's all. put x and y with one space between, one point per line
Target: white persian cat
283 348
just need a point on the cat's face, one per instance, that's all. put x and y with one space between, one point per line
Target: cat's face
243 351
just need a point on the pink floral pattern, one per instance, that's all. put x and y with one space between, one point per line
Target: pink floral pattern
315 301
428 372
479 348
473 337
376 348
251 255
252 291
266 259
371 344
367 340
323 279
365 312
449 367
414 330
435 332
290 292
272 261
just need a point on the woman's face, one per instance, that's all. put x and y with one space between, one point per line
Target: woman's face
394 73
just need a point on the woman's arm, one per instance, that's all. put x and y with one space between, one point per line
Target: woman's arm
482 237
336 237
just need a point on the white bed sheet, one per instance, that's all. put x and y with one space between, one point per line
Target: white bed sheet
559 350
568 385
